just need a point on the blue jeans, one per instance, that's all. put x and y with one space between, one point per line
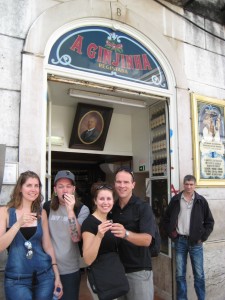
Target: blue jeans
26 288
183 247
71 286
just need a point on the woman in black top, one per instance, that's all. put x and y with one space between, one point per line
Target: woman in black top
96 234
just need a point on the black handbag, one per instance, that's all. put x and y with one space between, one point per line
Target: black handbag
107 277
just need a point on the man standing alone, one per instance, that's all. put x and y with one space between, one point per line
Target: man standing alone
188 222
134 224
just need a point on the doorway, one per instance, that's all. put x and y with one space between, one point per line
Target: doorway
88 169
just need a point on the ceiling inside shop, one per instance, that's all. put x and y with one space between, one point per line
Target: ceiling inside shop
58 94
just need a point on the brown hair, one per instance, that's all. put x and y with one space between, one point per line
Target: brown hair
16 196
189 178
125 169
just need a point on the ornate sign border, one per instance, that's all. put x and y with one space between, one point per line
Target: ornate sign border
208 140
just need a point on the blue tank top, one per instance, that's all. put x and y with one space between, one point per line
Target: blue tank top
18 265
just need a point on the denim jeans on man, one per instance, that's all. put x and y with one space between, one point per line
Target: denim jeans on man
183 247
71 284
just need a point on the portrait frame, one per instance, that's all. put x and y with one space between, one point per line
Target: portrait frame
100 117
208 140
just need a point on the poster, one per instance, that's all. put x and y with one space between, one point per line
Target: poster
208 145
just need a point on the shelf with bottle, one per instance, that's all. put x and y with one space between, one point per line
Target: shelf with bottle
158 118
81 177
159 140
159 165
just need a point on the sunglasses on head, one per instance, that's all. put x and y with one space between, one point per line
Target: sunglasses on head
104 187
30 252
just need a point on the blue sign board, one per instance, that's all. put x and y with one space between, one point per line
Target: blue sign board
103 51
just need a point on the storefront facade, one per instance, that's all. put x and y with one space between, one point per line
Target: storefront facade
171 59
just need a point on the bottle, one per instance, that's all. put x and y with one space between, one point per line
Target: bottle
56 294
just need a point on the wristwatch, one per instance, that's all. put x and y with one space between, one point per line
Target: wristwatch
126 234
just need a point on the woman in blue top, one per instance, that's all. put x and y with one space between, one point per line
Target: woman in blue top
31 271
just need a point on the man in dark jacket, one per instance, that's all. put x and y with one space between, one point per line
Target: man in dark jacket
188 222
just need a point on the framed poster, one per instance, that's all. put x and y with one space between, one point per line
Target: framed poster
208 143
10 173
90 127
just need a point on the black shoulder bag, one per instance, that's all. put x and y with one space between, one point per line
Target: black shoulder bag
107 277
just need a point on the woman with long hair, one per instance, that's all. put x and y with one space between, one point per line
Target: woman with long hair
66 214
31 270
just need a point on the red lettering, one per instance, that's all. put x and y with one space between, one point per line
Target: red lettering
99 59
137 62
91 50
77 45
107 56
129 61
146 63
123 61
116 62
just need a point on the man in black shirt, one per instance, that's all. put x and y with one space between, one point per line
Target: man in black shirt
133 222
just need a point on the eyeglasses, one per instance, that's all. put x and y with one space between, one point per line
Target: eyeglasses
103 187
30 252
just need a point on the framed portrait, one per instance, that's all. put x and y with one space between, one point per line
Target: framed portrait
208 144
90 127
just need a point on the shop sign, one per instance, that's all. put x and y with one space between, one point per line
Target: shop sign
142 168
209 140
102 51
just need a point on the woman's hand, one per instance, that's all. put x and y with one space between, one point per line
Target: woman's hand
27 219
103 228
118 230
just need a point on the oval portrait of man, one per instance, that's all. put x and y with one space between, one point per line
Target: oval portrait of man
90 127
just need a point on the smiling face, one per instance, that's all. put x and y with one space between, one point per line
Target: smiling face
104 201
124 185
30 190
